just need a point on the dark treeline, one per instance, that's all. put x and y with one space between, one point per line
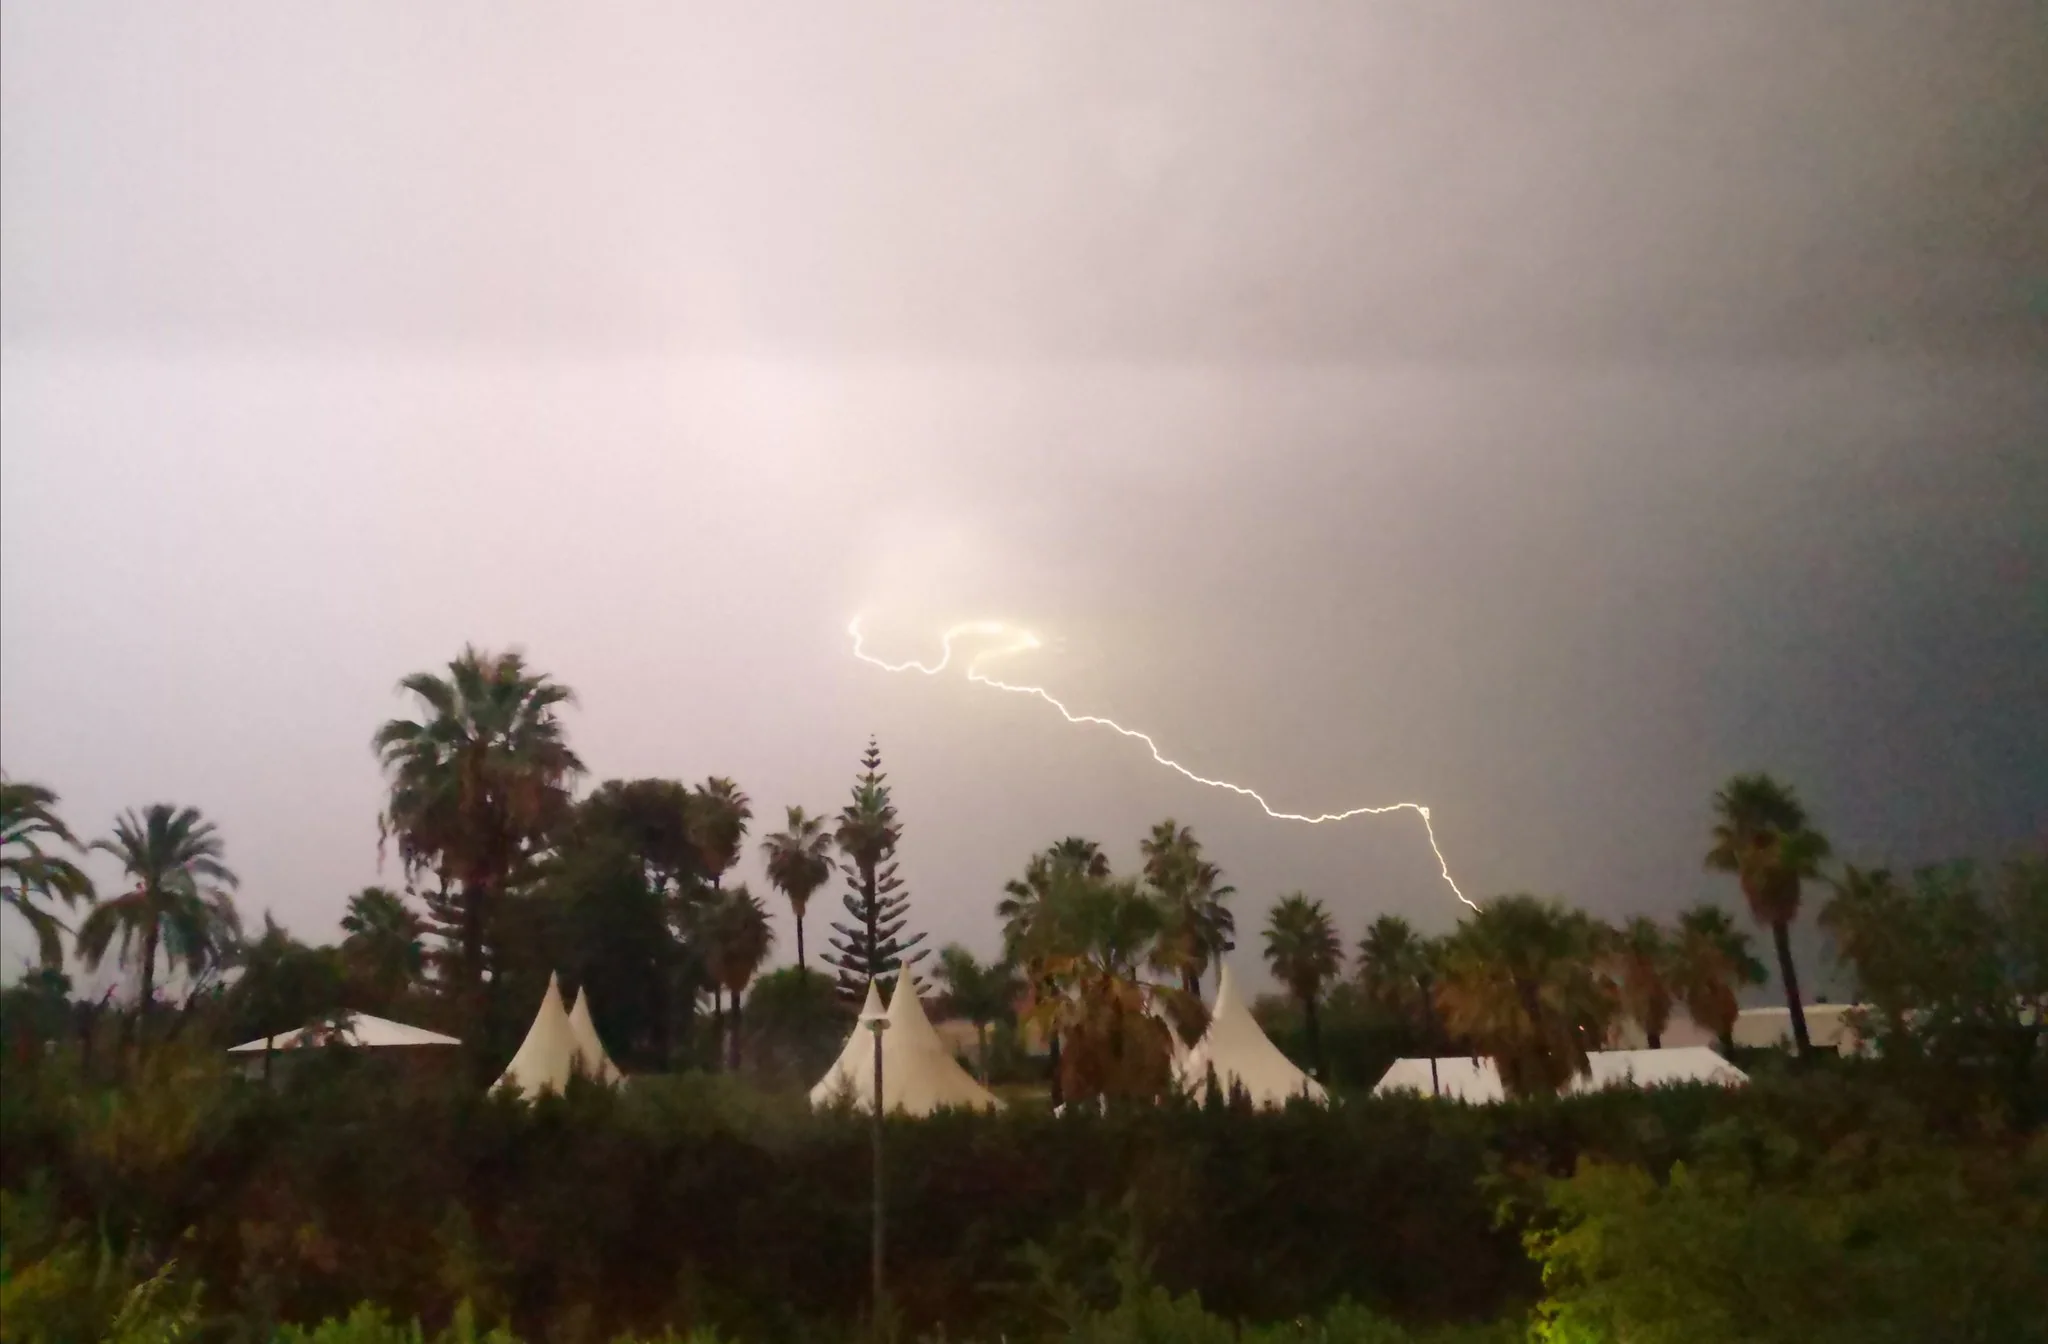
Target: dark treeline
148 1188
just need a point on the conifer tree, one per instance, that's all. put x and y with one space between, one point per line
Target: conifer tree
873 945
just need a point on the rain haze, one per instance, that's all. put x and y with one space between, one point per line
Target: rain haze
1539 413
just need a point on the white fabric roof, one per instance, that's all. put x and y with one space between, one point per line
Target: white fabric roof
356 1029
919 1074
547 1057
1462 1078
1240 1055
591 1060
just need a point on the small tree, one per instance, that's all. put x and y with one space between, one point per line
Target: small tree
873 947
983 994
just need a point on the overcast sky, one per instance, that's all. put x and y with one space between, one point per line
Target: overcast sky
1536 411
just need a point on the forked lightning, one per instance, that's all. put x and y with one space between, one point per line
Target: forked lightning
1007 640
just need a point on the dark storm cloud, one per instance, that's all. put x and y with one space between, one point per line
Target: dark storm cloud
1539 412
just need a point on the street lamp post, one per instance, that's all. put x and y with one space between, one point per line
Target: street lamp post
877 1023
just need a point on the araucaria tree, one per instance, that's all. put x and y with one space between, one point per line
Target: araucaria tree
477 785
874 945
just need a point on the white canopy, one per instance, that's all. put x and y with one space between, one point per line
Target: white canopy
1462 1078
591 1060
919 1074
547 1057
1241 1057
355 1029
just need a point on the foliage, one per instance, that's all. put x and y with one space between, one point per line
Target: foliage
873 947
31 875
180 903
796 1023
981 994
799 862
1954 970
1761 834
1882 1237
383 954
1710 963
1303 949
1198 926
477 783
1521 983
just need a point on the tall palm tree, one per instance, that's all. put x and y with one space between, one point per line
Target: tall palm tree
1710 962
719 813
980 993
1199 925
29 873
1762 836
477 784
180 902
384 948
738 941
1643 961
1521 982
1083 944
1305 954
799 862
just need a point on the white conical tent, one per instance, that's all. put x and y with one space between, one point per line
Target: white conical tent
547 1057
919 1074
1241 1057
591 1060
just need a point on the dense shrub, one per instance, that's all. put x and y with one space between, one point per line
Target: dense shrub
697 1202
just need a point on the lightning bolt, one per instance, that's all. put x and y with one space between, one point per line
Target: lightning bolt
1010 640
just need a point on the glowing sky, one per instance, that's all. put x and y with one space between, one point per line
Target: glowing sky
1541 412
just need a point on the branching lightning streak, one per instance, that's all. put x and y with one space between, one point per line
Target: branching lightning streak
1012 640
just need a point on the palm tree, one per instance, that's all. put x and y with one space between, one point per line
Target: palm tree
1083 855
980 993
1761 835
180 902
1521 983
383 948
29 873
1710 962
719 813
477 784
1643 957
1303 950
1397 971
1870 921
799 862
737 942
1199 925
1082 944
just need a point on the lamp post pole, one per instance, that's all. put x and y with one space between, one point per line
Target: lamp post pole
878 1026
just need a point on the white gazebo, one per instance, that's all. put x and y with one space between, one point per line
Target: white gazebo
1464 1078
919 1073
1240 1056
356 1030
591 1060
547 1057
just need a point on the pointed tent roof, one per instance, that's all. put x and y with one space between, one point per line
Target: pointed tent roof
354 1029
1462 1078
919 1074
547 1057
591 1060
1241 1056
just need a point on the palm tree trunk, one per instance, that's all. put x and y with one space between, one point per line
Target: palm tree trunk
981 1049
1059 1095
1312 1019
1789 974
733 1042
717 1023
1656 1039
150 934
801 964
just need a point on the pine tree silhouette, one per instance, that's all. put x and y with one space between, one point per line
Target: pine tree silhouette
873 945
